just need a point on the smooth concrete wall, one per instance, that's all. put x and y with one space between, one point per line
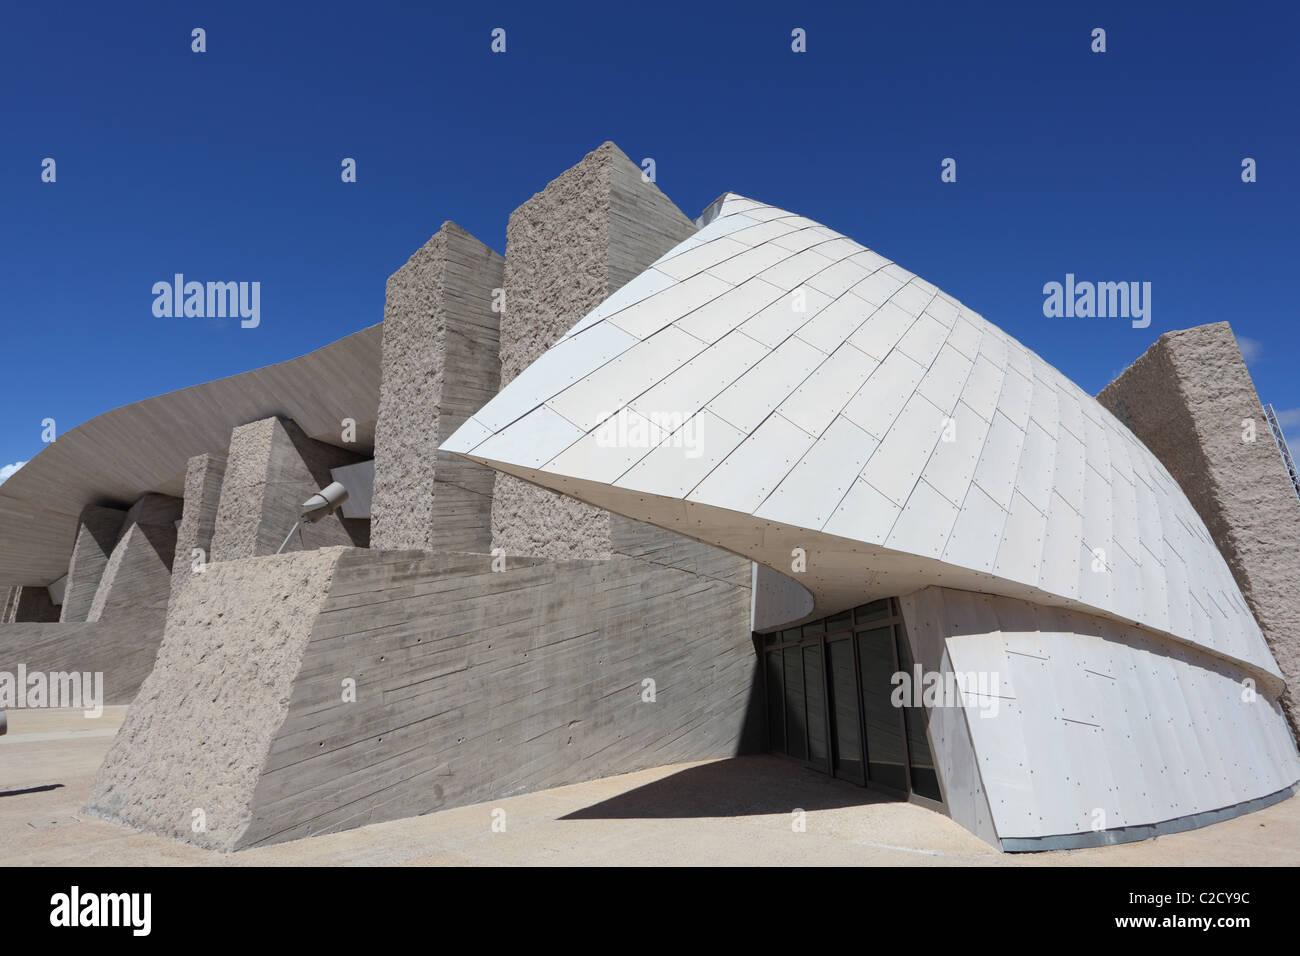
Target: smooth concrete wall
136 582
1188 398
440 365
646 542
122 651
203 474
97 533
473 684
272 468
779 600
568 248
470 684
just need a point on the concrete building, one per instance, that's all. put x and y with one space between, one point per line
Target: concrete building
649 490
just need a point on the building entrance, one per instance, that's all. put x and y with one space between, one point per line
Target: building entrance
828 688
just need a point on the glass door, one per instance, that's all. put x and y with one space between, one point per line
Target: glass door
797 718
847 760
886 751
828 690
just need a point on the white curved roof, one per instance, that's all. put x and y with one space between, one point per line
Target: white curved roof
770 385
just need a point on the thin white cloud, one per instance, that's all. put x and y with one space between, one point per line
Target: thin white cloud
7 470
1287 417
1251 349
1289 420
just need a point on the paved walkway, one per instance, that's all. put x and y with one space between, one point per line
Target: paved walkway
720 812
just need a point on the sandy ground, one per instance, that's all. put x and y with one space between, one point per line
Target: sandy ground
725 812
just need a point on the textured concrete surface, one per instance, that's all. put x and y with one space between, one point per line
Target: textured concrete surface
27 604
97 531
271 469
122 651
144 446
120 630
469 684
136 582
734 812
1187 398
203 474
192 748
440 365
568 248
473 683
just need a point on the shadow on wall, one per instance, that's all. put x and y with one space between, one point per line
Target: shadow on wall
738 787
753 728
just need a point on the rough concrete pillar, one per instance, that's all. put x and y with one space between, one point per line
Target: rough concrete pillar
199 730
203 474
97 531
1188 398
136 582
440 365
272 468
571 246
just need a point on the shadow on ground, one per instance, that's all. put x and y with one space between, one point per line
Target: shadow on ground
742 786
41 789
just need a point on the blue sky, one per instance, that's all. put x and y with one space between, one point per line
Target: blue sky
1122 166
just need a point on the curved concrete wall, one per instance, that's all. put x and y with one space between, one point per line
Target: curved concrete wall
144 447
778 600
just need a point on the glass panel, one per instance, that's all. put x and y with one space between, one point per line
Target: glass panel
796 732
775 703
844 710
925 779
875 611
817 709
885 756
815 692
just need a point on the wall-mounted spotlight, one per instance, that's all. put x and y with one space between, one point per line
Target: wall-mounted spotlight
320 505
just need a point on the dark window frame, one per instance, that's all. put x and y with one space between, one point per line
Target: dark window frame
873 615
